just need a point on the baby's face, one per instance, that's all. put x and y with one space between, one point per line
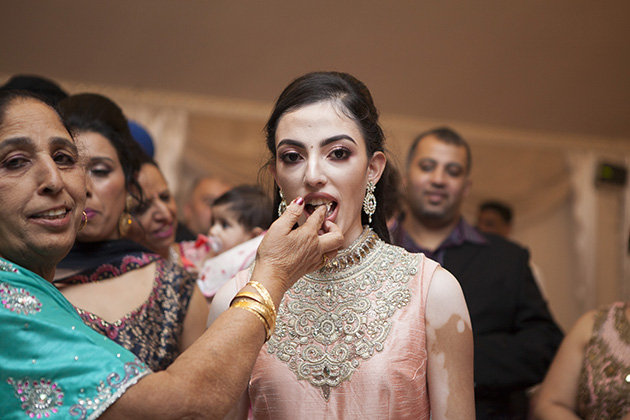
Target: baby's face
226 228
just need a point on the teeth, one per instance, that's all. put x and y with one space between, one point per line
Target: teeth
52 213
317 202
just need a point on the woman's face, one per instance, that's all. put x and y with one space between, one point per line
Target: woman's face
321 156
157 215
42 186
106 188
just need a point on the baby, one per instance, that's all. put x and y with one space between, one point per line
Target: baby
240 217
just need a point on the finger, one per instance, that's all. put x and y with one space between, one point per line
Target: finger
290 216
332 240
316 219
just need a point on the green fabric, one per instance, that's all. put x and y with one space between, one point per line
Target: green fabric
52 366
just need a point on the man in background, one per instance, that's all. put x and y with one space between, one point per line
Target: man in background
197 209
514 333
495 217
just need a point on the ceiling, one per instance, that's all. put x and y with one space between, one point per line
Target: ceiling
555 66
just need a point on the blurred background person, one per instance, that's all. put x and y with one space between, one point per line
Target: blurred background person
197 207
589 378
495 217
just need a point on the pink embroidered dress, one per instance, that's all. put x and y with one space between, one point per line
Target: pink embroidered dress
604 390
350 340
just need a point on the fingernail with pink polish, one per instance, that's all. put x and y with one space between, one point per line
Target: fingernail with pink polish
299 201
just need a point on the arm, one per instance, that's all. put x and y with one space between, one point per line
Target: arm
450 350
207 379
195 320
557 398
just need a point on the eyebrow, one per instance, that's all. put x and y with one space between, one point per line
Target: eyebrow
28 142
322 143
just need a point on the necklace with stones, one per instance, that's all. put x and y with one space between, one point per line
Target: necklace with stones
355 254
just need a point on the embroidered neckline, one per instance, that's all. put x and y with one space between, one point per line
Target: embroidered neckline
330 323
352 257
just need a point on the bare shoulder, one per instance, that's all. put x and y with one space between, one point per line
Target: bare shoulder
445 300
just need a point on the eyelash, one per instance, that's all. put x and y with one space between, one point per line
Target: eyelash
292 157
14 162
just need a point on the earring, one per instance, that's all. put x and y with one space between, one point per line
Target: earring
84 221
369 202
125 220
283 203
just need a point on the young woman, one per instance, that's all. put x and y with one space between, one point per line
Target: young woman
377 332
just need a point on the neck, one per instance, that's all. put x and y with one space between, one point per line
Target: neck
429 234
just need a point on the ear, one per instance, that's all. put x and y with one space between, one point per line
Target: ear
255 232
376 166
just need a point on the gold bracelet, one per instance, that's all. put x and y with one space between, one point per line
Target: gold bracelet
247 305
263 292
257 298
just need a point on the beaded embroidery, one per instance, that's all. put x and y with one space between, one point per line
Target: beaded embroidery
107 393
39 398
18 300
332 319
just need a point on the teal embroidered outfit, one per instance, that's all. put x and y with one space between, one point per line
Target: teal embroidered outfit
52 365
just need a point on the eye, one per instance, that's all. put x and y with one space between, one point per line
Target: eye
100 170
340 153
290 157
426 166
15 162
165 196
454 170
140 209
64 159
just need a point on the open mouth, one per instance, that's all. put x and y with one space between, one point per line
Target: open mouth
312 205
52 214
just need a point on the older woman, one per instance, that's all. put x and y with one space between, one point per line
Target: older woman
148 304
51 364
377 332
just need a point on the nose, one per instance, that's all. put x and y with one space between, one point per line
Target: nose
89 186
214 229
162 212
438 176
51 181
314 172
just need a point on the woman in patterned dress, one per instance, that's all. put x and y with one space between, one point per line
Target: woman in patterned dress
377 332
589 378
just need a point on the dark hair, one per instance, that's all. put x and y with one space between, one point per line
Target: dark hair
446 135
251 204
354 99
504 210
92 112
8 96
48 91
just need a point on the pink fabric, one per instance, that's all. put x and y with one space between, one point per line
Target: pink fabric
604 390
390 384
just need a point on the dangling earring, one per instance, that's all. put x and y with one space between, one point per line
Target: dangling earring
84 221
283 203
125 220
369 202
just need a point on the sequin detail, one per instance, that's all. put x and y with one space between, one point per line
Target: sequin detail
604 391
331 320
5 266
39 398
109 392
18 300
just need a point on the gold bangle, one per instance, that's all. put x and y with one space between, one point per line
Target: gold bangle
257 298
263 292
262 310
248 306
